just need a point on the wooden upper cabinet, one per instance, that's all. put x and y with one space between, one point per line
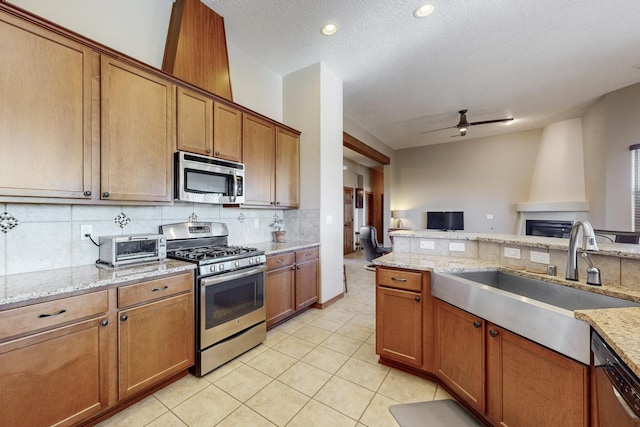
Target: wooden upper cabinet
45 113
287 168
258 145
194 122
138 133
227 132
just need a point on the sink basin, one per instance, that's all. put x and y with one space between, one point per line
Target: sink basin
535 309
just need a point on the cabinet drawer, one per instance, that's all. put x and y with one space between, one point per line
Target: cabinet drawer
408 280
154 289
307 254
280 260
50 314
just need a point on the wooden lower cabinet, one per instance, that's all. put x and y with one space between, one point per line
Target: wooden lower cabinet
65 358
403 317
530 385
459 358
291 283
508 379
57 377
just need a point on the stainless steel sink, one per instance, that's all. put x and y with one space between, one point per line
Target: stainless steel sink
540 311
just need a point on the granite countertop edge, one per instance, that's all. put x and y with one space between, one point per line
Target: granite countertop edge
22 289
272 248
620 327
621 250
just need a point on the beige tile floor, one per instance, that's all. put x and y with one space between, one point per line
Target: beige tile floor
317 369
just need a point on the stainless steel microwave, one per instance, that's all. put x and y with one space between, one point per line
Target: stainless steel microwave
204 179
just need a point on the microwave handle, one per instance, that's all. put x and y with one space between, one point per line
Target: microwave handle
235 184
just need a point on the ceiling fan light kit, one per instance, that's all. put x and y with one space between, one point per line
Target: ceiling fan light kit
463 125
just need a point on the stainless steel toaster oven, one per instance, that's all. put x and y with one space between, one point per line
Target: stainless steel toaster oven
121 250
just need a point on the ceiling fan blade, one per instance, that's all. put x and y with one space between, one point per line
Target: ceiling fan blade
485 122
436 130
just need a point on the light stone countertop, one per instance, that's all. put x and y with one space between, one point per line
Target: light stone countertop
620 327
272 248
28 288
621 250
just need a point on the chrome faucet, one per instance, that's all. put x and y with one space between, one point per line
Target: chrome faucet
588 244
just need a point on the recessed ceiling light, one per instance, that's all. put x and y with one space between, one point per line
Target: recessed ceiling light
424 10
329 29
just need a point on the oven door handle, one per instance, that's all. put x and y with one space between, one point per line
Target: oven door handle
624 404
208 281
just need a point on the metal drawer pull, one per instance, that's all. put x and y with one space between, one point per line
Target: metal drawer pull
160 289
493 333
477 324
398 280
280 261
417 299
52 314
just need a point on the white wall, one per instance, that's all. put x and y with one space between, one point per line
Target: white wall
610 127
137 28
478 176
313 104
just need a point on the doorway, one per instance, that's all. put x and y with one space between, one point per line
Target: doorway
348 220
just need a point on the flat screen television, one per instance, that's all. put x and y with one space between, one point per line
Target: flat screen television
445 220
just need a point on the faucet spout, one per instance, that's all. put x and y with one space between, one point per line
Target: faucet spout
588 244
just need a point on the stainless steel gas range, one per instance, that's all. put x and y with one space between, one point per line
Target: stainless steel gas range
230 304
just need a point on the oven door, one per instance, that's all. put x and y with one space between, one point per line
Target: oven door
231 303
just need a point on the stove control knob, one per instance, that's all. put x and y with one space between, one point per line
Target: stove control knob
221 267
212 268
250 260
238 264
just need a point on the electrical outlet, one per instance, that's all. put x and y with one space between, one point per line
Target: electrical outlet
427 244
256 223
512 253
84 230
456 246
539 257
489 216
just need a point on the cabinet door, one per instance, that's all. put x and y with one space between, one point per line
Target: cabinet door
155 341
227 132
306 283
56 377
530 385
459 353
399 325
259 157
280 294
45 113
194 122
138 133
287 168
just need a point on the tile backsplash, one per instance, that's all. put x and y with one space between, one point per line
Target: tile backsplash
37 237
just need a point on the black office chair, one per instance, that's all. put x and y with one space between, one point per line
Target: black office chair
369 241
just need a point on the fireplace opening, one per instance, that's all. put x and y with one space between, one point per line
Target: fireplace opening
548 228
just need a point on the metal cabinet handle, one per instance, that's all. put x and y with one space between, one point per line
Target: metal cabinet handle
105 322
217 153
298 267
105 194
493 333
52 314
208 151
160 289
395 279
280 261
124 317
417 299
476 324
87 193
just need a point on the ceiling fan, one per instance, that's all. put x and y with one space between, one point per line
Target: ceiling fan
463 124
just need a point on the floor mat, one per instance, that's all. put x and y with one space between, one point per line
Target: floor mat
437 413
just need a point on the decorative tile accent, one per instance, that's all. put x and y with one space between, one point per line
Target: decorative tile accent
122 220
193 217
7 222
241 218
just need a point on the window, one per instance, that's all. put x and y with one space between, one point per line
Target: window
635 185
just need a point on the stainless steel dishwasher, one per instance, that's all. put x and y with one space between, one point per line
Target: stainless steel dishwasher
617 388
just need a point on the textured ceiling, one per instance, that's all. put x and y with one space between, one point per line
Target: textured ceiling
540 61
